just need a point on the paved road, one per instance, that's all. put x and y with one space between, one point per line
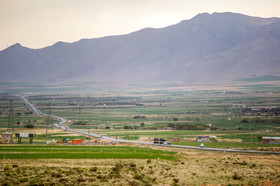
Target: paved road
61 124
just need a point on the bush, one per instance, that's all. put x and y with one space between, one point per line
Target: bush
236 176
117 167
22 180
56 175
81 180
15 166
139 117
176 180
138 176
80 123
93 169
244 121
29 126
63 180
187 126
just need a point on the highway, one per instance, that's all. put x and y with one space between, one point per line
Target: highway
61 125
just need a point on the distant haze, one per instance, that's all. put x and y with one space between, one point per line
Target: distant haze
208 47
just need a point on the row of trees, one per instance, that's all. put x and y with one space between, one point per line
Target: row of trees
134 126
261 120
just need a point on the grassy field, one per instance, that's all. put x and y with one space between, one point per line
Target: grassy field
82 152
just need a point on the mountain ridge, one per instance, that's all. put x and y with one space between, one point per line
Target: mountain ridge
204 48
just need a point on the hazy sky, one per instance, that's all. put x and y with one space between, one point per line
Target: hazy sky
40 23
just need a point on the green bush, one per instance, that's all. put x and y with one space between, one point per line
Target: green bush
93 169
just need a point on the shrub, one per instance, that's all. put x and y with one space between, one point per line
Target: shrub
63 180
81 179
176 180
139 117
22 180
188 126
132 165
138 176
93 169
29 126
80 123
118 166
15 166
56 175
236 176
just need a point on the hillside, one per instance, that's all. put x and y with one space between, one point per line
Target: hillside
207 47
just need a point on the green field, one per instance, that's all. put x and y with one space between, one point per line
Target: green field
82 152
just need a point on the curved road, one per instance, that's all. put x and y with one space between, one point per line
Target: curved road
62 121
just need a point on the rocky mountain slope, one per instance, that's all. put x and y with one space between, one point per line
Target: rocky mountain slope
208 47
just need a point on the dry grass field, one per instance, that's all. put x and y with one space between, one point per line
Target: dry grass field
191 168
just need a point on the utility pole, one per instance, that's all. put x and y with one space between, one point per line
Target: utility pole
48 120
270 141
11 116
262 140
74 113
251 138
80 113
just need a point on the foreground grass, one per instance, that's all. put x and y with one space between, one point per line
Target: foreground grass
82 152
192 168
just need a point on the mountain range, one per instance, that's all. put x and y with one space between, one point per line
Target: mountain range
208 47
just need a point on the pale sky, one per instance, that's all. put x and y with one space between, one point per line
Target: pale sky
40 23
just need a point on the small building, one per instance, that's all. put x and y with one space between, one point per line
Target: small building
77 142
271 140
168 128
25 135
203 138
7 137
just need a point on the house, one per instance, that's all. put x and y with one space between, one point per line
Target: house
203 138
271 140
7 137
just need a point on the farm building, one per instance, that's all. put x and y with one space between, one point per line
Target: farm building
271 140
25 135
203 138
7 137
